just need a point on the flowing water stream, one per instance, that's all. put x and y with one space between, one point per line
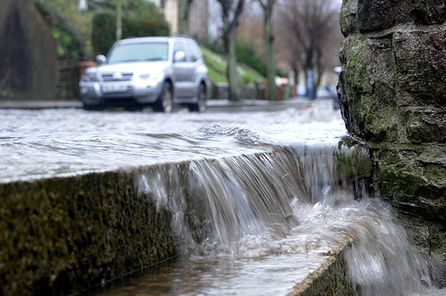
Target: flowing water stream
266 197
268 220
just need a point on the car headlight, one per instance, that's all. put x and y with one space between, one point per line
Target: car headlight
144 76
92 77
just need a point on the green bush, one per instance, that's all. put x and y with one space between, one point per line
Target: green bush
247 55
139 25
216 64
70 43
103 32
140 19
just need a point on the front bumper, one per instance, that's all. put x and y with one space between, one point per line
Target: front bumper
103 93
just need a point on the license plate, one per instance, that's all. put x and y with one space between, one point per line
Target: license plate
110 88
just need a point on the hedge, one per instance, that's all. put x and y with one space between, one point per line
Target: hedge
138 21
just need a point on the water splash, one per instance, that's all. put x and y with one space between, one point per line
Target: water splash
290 202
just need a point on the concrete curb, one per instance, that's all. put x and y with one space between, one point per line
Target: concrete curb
67 235
212 104
37 105
330 278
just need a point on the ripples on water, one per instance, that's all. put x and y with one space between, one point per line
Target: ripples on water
64 142
265 220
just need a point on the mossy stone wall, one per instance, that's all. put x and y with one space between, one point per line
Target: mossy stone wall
39 53
393 96
66 235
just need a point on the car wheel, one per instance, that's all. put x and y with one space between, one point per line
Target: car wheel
165 101
200 106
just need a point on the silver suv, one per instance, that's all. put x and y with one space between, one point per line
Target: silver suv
152 71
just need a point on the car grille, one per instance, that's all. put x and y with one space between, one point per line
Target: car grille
113 77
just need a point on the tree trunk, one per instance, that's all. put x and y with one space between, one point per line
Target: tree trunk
183 17
309 83
269 54
320 71
295 70
118 19
232 73
309 73
230 16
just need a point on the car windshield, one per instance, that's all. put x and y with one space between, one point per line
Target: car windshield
139 52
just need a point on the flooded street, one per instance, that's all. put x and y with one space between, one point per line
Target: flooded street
50 143
222 147
266 190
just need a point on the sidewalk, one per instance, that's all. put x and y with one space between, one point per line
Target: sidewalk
212 104
37 104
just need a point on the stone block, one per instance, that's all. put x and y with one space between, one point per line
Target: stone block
420 56
413 177
368 89
377 15
349 17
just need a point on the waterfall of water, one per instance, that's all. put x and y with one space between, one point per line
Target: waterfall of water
291 201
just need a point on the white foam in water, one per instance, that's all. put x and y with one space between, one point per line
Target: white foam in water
275 216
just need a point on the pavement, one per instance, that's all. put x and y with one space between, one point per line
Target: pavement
39 104
213 105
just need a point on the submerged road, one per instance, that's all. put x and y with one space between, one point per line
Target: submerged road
61 142
213 105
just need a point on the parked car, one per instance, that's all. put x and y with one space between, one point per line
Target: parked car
152 71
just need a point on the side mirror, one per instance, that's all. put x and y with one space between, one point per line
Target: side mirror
180 56
101 59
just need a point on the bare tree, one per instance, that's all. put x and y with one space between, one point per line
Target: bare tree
268 39
118 19
231 11
183 16
312 23
287 53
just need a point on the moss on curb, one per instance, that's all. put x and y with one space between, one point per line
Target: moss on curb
64 235
330 278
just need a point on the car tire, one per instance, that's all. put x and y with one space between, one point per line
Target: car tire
200 106
165 101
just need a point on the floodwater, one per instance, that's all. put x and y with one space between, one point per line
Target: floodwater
267 219
36 144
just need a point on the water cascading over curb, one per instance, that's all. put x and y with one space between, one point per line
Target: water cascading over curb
245 205
219 203
97 227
